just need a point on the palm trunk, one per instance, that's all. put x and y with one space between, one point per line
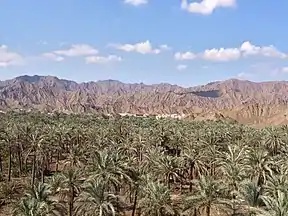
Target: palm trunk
57 162
19 154
208 209
211 169
33 169
191 178
42 174
10 164
140 156
135 202
20 161
71 201
26 164
195 212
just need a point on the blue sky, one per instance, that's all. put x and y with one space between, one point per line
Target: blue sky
181 42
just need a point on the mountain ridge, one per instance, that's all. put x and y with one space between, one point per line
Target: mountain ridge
230 97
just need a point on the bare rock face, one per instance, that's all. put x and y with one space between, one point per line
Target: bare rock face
237 99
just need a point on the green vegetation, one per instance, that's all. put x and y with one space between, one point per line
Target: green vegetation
97 165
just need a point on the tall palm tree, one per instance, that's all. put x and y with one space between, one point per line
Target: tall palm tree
167 167
233 165
273 140
209 194
37 150
196 162
156 200
67 186
260 164
38 202
95 200
108 166
8 138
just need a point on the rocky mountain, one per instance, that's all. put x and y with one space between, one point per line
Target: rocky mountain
245 101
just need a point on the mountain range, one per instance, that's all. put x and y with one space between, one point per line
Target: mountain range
248 102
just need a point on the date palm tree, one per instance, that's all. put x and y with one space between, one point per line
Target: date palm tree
66 186
156 200
167 167
209 194
38 202
108 166
95 200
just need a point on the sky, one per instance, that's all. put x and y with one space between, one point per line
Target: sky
184 42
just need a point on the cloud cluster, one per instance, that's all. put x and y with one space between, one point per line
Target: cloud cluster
136 2
8 58
185 56
77 50
102 59
221 54
53 57
206 7
270 51
230 54
91 55
141 47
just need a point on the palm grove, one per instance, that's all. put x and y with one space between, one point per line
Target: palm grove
98 165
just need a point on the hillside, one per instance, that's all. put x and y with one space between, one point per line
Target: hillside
245 101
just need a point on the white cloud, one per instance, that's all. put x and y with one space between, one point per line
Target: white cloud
229 54
222 54
102 59
206 7
181 67
8 58
77 50
270 51
53 57
141 47
136 2
185 56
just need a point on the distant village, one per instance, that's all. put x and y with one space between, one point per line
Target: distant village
175 116
157 116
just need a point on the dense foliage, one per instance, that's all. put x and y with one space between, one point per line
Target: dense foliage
95 165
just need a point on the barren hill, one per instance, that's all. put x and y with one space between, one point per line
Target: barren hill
245 101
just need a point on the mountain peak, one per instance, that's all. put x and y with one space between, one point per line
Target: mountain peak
36 78
27 78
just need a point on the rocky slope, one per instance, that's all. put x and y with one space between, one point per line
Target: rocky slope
244 101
